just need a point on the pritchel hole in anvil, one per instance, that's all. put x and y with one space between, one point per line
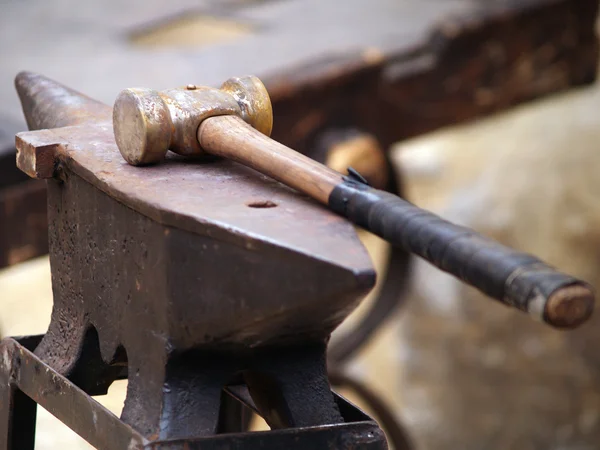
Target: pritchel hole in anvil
262 204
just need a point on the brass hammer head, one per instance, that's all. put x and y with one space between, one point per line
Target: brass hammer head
147 123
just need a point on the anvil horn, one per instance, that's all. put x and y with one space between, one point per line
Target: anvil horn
48 104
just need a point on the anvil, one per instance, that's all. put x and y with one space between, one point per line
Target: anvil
190 275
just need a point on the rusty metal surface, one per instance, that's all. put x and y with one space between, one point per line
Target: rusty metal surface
201 201
155 290
28 381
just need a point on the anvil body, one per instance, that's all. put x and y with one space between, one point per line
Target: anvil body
191 270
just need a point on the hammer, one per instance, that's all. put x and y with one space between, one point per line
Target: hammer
235 122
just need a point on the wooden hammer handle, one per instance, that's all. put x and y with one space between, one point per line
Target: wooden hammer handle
232 138
513 278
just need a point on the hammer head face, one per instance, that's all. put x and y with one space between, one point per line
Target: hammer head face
148 123
142 125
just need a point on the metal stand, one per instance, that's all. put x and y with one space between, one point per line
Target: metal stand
25 382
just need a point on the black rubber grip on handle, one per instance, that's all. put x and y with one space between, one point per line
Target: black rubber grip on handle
514 278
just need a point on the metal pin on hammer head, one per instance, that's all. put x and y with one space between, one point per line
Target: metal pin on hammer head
147 123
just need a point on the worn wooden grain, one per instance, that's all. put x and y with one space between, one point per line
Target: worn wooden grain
232 138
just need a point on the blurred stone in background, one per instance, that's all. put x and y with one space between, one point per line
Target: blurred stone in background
476 374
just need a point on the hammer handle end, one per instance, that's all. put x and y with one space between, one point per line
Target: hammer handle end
569 306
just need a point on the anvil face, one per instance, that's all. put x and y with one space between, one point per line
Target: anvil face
193 253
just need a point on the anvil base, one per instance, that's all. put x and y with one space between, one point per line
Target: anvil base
25 382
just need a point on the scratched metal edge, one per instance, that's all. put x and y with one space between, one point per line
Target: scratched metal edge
60 397
349 435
